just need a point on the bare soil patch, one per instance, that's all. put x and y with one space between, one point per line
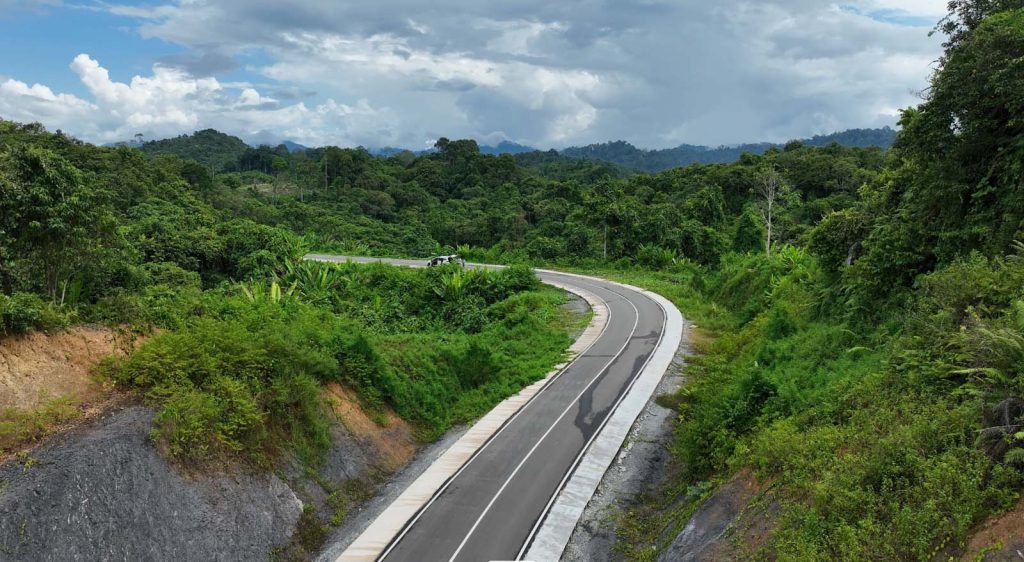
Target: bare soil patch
1000 538
390 436
36 368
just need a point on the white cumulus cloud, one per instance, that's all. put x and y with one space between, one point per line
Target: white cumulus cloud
393 72
171 102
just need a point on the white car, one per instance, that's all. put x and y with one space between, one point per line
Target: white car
454 258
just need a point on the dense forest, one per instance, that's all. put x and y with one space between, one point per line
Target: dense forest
237 332
862 309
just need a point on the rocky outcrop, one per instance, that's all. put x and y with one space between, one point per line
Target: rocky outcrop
732 524
709 523
103 492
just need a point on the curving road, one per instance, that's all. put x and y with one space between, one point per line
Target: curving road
492 507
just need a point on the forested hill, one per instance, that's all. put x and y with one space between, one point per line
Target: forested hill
625 154
209 147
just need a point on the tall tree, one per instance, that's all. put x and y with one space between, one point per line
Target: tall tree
62 226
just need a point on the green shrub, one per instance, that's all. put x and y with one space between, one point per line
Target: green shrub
155 306
24 312
245 384
655 257
18 426
516 279
171 275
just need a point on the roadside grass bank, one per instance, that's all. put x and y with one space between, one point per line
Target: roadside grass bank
243 378
875 438
248 374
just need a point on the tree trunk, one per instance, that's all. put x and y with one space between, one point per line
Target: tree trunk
605 241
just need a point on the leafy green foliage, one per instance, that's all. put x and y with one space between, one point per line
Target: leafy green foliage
244 377
211 148
20 427
57 225
23 312
243 383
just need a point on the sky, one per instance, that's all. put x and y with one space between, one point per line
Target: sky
656 73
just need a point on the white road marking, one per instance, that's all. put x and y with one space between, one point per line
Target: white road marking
593 282
604 422
572 404
447 483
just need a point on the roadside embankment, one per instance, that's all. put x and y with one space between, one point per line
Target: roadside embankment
98 488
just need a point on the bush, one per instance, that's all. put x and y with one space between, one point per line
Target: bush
516 279
19 427
156 306
655 257
244 385
171 275
24 312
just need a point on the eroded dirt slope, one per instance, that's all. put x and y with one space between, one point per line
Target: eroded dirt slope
38 366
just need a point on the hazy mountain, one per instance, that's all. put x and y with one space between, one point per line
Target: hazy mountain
221 151
294 146
625 154
389 151
506 147
129 143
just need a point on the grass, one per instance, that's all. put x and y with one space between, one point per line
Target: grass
868 434
20 427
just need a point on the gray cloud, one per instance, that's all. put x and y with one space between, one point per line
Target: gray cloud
657 73
202 64
292 93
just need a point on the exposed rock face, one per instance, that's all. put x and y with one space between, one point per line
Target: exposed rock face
102 492
730 525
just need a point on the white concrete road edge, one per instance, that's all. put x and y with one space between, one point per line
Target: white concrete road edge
560 521
375 539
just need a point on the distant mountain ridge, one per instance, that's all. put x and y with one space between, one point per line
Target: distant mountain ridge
507 147
503 147
221 151
625 154
294 146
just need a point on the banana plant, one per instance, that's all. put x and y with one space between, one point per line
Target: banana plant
261 292
455 286
316 282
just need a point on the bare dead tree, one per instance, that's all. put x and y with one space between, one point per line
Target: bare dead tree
769 187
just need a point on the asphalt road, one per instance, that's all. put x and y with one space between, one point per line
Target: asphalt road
490 509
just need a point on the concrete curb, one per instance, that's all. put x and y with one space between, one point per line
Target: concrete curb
391 523
560 521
